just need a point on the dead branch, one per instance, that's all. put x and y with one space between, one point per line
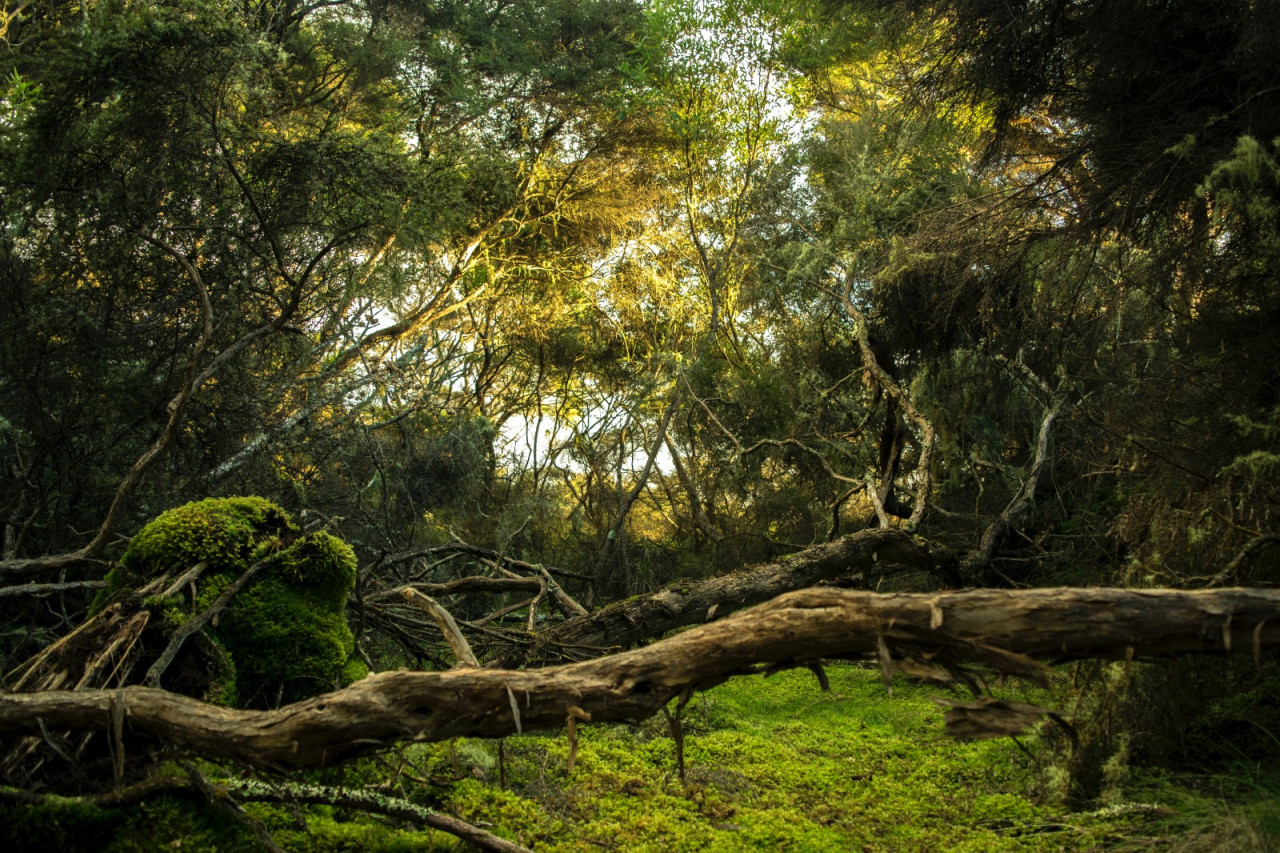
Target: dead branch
1005 629
448 627
640 618
566 602
197 622
477 583
87 657
221 800
977 560
903 401
48 588
353 798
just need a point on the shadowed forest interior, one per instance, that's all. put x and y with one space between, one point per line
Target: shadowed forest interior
540 375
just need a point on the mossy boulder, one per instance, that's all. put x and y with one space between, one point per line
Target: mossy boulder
284 636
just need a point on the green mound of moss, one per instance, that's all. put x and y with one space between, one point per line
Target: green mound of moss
282 638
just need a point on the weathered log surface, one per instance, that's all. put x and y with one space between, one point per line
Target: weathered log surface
642 617
1001 628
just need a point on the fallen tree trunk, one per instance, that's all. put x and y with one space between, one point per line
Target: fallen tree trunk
640 618
999 628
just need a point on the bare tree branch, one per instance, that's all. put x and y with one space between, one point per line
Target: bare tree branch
903 401
640 618
1024 499
195 623
249 790
48 588
448 627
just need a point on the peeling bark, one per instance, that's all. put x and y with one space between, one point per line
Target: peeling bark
1005 629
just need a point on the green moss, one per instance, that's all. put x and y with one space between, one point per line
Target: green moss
328 830
161 823
284 636
322 567
775 764
221 531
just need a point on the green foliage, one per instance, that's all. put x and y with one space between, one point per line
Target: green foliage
429 233
1237 810
284 636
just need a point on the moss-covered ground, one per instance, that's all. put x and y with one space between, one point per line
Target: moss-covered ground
775 764
772 764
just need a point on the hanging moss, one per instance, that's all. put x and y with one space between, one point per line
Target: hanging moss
282 638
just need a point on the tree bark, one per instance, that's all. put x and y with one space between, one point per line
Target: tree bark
1004 629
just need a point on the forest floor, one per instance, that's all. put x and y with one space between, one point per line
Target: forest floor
771 764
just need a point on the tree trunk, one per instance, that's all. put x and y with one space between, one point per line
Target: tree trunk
1004 629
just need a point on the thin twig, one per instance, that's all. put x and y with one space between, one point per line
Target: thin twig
48 588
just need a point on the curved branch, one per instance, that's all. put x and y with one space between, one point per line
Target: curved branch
1255 545
448 626
634 620
1022 501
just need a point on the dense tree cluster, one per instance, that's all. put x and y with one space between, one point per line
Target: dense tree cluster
564 301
